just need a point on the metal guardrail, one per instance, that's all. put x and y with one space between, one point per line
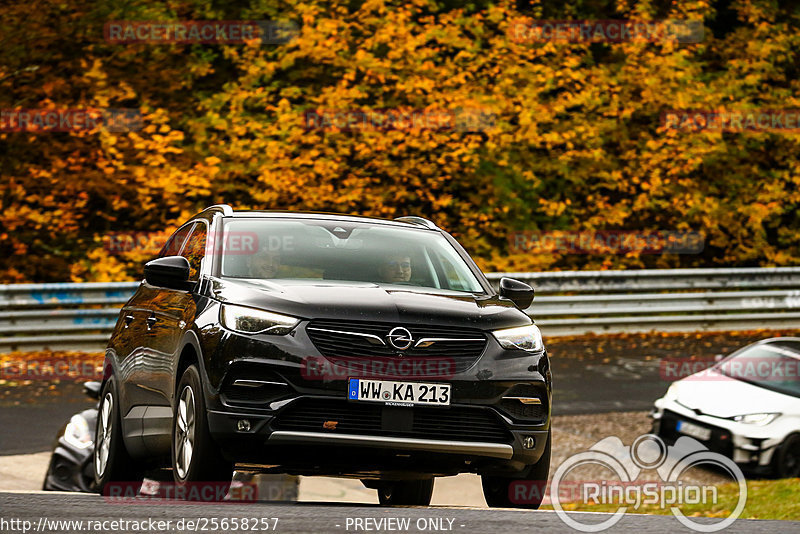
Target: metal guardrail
577 302
81 316
60 316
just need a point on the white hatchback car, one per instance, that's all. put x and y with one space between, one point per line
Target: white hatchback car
746 406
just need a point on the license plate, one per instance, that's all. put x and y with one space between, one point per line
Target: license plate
399 393
695 431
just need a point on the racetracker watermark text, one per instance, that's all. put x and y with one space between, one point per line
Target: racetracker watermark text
743 368
149 524
200 31
606 242
50 369
757 120
343 367
70 120
606 31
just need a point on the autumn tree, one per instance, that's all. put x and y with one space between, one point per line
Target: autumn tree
574 140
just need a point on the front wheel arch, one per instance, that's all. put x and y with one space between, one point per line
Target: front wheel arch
789 445
205 463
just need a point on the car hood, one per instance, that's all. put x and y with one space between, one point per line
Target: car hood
363 301
715 394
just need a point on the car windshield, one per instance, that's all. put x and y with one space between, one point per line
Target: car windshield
771 367
319 249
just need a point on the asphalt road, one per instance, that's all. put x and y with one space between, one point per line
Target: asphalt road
600 385
32 425
593 386
323 518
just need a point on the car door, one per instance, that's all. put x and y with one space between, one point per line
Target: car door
127 340
142 367
135 365
171 312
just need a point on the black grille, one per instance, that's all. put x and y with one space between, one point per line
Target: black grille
533 413
463 353
721 440
256 385
528 413
456 423
256 394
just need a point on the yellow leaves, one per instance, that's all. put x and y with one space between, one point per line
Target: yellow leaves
577 143
99 266
552 208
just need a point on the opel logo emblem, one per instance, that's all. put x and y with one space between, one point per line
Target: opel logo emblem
400 338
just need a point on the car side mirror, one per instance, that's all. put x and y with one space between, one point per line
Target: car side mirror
170 272
92 389
517 292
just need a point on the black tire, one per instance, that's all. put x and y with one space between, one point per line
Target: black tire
406 492
112 463
203 462
45 485
496 489
786 463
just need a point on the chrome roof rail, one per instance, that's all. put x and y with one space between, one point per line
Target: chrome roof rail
420 221
226 210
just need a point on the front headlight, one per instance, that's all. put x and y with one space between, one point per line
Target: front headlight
759 419
252 321
527 338
77 433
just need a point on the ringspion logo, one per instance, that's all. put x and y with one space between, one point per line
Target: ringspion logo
647 452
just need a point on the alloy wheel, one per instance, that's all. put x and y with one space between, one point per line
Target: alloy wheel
103 445
184 432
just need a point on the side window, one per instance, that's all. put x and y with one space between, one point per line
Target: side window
174 244
195 249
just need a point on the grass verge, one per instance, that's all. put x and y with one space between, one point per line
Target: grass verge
766 499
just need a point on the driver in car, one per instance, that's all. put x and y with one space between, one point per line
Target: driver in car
264 264
396 268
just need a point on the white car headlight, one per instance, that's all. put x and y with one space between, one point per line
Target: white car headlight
759 419
527 338
77 433
252 321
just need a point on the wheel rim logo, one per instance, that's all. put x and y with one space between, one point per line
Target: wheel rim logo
400 338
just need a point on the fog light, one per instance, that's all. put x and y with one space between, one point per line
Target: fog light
528 442
243 425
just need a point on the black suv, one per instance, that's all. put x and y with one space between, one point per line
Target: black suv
320 344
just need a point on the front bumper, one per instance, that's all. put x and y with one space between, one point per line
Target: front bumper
750 447
70 469
469 448
265 441
259 379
